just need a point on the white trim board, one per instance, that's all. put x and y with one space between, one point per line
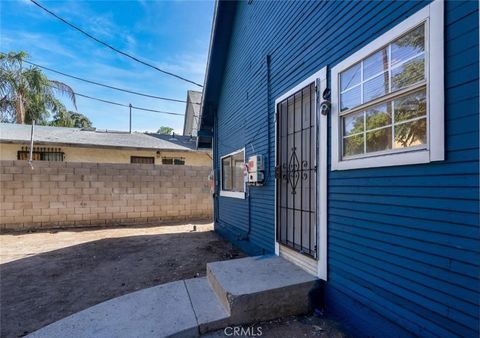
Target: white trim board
321 121
304 83
432 16
322 197
232 194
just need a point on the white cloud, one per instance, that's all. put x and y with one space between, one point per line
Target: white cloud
34 43
26 2
77 55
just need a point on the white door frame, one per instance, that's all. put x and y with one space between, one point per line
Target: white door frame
321 127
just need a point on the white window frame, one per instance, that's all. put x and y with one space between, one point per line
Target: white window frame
233 194
434 150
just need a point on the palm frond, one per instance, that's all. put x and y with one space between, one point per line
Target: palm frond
64 89
30 88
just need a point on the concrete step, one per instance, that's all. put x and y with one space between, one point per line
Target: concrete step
209 311
234 292
260 288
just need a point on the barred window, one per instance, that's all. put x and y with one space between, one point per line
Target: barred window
41 154
142 159
173 160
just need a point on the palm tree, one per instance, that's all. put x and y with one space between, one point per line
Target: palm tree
70 119
26 94
80 120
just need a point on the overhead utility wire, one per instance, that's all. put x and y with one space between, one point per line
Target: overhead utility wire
113 48
108 86
128 106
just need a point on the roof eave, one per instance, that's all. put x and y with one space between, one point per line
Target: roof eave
92 146
224 12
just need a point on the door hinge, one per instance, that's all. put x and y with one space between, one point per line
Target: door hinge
278 172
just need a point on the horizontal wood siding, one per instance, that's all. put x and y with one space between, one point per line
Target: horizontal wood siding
403 241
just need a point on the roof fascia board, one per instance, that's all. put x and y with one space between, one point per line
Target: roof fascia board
224 12
90 146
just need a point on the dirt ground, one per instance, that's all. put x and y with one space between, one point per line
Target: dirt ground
46 276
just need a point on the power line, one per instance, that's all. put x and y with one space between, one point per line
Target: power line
113 48
108 86
128 106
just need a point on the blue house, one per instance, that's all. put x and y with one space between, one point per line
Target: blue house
359 122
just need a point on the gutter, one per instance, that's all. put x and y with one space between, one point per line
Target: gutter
96 146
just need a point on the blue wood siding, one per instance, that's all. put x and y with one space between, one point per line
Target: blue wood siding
404 247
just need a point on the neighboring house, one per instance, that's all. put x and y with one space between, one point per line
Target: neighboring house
192 113
77 145
377 196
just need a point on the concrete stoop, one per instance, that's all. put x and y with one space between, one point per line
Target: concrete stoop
234 292
260 288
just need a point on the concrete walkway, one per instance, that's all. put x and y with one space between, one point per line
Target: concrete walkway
234 292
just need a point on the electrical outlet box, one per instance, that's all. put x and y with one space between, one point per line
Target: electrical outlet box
256 168
256 177
255 163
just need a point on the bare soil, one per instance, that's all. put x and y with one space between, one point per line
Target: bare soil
46 276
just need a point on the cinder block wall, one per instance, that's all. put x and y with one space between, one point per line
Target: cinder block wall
61 194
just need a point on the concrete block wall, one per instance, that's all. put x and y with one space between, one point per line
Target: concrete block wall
62 194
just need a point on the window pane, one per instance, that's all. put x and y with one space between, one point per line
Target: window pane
238 179
167 160
350 77
375 87
375 64
353 145
238 163
307 103
379 116
411 133
142 159
227 173
350 98
408 45
22 155
408 73
238 157
379 140
353 124
179 161
410 106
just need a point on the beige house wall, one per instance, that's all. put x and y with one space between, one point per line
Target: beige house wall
8 152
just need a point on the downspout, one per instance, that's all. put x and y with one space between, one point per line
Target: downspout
216 172
268 59
30 158
247 237
217 178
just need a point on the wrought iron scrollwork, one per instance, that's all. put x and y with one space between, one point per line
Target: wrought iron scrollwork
294 171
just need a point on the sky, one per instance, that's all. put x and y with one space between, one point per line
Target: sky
172 35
